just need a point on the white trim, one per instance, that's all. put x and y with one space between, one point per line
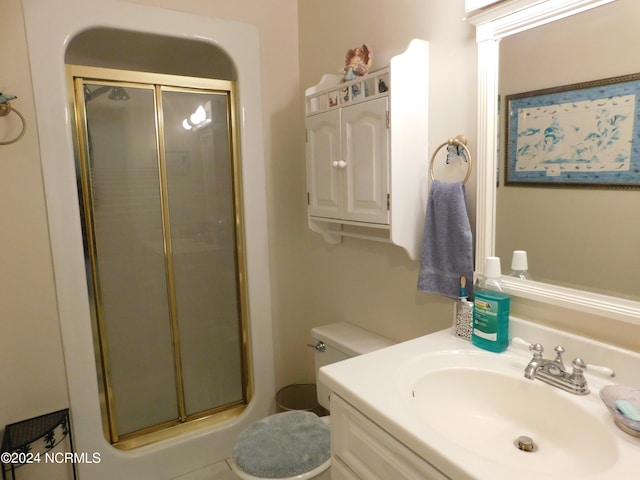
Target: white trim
593 303
487 138
508 18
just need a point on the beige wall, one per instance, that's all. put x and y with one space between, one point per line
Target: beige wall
32 370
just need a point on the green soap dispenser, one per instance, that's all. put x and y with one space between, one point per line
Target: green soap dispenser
491 310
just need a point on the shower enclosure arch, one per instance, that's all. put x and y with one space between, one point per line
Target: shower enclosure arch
135 37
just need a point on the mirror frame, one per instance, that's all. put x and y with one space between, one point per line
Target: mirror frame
492 24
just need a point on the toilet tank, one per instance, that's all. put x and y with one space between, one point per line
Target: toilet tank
341 341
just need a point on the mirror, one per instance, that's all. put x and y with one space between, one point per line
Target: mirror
577 236
493 25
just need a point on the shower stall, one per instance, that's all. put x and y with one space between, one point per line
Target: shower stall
162 228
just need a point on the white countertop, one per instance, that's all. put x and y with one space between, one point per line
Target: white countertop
378 384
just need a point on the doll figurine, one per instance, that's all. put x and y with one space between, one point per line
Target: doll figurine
358 62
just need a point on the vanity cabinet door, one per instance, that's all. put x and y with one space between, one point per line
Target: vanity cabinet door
365 151
360 449
340 471
323 154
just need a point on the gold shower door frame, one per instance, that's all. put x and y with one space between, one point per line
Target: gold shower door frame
157 83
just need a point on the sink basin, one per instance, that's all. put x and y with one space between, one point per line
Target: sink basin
483 404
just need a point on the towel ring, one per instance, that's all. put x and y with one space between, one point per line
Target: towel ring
5 109
458 140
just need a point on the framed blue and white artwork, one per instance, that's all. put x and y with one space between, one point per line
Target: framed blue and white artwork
584 134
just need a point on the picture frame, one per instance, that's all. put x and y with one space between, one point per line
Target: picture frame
583 134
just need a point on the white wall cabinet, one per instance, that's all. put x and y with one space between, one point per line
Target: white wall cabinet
367 153
361 450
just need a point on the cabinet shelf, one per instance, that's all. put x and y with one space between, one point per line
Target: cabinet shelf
367 153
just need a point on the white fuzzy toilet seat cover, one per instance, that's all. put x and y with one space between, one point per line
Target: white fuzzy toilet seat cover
283 445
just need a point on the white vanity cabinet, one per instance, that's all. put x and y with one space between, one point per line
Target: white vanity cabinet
361 450
367 153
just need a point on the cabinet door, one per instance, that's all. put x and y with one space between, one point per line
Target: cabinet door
361 449
365 151
322 153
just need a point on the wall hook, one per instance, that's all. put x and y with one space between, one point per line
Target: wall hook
6 109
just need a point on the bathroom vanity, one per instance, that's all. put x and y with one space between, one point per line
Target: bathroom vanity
438 407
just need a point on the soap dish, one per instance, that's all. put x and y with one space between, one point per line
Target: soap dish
612 393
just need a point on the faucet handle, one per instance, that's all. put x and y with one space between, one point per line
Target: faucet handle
579 365
537 350
595 369
601 370
577 376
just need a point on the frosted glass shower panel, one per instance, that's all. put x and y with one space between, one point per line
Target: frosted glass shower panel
199 164
163 238
129 254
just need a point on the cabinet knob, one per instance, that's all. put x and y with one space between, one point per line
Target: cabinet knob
334 163
342 164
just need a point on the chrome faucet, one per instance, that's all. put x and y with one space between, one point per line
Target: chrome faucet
553 372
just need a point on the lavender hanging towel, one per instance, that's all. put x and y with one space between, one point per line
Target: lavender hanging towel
447 246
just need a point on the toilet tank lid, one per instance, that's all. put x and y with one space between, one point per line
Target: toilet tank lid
350 339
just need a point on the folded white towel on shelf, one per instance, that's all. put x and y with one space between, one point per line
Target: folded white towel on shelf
447 245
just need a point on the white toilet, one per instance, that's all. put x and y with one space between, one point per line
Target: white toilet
295 444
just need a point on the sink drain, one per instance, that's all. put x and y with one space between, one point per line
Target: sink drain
526 444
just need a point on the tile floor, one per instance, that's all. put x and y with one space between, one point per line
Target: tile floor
217 471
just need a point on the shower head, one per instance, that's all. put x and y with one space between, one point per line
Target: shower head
117 93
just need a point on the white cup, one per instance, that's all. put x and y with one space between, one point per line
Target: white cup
519 261
492 267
